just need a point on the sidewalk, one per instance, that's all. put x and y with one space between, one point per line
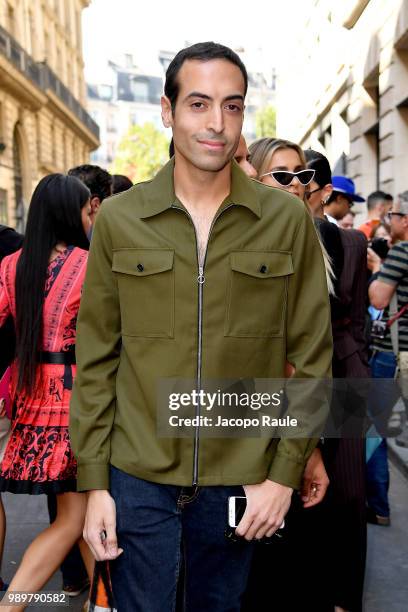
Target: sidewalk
386 581
386 585
27 516
398 455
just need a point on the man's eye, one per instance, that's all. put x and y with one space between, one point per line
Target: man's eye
233 107
197 105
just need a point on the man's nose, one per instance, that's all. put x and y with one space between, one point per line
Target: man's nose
216 120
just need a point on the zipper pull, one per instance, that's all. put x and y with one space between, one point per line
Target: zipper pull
201 277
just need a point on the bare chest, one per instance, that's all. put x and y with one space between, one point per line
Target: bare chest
202 224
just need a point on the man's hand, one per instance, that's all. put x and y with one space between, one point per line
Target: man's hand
315 480
100 520
267 505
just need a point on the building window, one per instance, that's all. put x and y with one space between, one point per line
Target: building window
95 115
372 132
111 123
105 92
140 90
3 207
18 183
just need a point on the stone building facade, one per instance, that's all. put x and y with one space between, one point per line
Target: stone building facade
44 126
343 89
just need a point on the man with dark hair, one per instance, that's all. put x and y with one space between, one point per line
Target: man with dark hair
341 199
378 204
197 274
390 283
388 291
98 181
120 183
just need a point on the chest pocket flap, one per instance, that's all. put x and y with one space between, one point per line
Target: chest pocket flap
142 262
262 264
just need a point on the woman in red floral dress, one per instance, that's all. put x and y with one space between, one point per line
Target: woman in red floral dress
40 286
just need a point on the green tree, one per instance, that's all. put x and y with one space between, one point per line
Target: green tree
141 153
265 122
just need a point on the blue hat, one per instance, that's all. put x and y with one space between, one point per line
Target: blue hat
345 185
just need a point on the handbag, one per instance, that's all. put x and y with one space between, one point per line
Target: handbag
5 391
101 595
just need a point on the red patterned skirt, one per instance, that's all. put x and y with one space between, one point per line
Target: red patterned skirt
38 457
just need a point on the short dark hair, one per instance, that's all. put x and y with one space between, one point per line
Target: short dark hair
121 183
374 198
320 164
98 180
388 197
203 52
333 197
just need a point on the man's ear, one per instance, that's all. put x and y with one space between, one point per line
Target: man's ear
166 112
327 191
95 204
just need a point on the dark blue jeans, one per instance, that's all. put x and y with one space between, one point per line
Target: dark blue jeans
159 527
382 365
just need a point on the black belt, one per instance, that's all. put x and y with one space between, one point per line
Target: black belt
65 358
61 358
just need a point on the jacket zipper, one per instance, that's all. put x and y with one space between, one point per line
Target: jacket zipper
200 281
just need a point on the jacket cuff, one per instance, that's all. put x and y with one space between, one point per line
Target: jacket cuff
290 461
93 476
287 471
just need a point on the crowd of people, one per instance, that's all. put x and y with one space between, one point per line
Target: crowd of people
301 286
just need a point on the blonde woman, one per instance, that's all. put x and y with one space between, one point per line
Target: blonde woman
282 164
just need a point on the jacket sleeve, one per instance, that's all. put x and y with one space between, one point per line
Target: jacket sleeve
98 350
309 348
358 306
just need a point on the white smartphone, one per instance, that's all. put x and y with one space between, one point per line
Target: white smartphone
236 510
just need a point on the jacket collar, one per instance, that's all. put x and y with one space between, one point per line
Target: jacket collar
159 192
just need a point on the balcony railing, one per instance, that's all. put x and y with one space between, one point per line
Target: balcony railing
44 78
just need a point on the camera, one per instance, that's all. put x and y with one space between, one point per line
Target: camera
379 329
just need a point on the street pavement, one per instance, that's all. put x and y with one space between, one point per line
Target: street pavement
387 558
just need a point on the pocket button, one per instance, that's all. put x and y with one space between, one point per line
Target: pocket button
140 267
263 269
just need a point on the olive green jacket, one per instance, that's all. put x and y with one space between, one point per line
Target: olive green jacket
146 314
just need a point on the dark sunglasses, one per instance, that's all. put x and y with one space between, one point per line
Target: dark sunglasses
284 177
